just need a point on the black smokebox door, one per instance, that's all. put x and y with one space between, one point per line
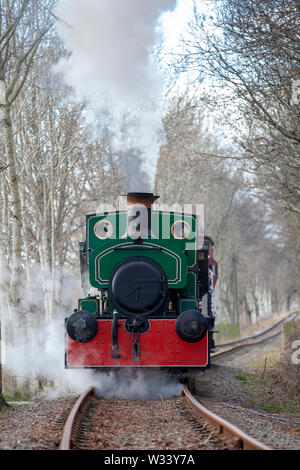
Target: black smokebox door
138 285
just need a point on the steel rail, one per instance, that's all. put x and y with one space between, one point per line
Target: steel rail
66 438
253 339
288 317
243 344
222 427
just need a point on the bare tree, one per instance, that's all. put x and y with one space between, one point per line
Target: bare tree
22 29
190 169
249 51
252 48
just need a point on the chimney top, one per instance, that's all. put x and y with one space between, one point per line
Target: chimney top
147 199
142 195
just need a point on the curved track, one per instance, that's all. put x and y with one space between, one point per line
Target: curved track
204 424
220 427
66 442
256 338
223 427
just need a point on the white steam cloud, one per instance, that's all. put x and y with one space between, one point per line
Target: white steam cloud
38 350
110 66
43 356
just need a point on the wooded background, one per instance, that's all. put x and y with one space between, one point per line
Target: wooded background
232 145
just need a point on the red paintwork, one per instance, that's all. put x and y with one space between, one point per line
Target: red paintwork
159 347
213 262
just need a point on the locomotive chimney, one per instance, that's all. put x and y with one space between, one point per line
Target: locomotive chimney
139 214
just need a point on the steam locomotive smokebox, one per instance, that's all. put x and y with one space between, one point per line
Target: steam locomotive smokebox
191 326
138 286
82 326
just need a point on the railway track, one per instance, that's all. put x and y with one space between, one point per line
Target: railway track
222 427
75 419
202 419
180 421
256 338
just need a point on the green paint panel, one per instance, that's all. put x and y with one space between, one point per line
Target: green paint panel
174 255
190 288
188 304
89 305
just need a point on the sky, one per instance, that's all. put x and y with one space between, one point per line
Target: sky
175 22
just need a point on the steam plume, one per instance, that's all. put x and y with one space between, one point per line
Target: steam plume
110 67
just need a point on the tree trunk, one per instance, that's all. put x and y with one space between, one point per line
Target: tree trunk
235 292
3 403
14 289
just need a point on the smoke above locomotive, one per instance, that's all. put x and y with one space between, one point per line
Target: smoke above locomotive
153 288
111 67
